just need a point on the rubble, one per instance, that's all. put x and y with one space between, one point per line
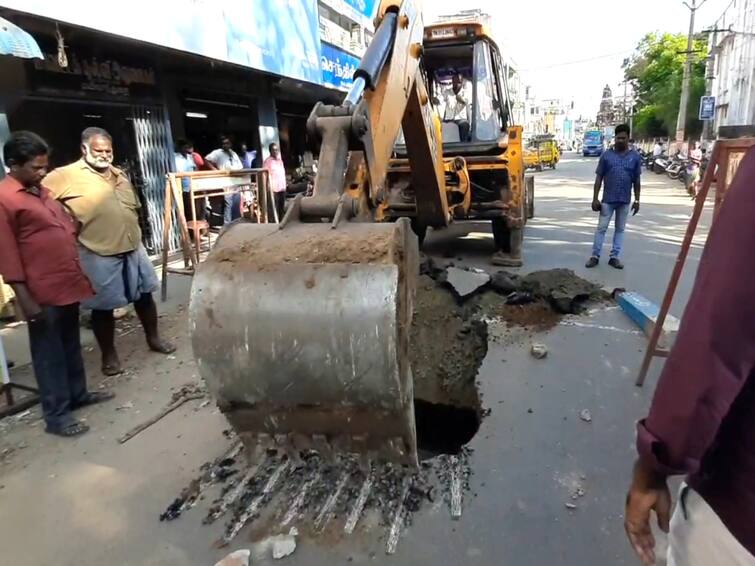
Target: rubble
236 558
465 282
538 351
585 415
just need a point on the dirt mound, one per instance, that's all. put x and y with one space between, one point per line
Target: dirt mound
448 344
562 288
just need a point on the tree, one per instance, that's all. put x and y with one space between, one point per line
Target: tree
655 72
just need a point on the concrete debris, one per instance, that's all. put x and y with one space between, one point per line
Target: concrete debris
125 406
283 545
578 492
465 282
585 415
539 351
204 403
505 283
236 558
570 506
519 298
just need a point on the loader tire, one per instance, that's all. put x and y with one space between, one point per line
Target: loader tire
529 184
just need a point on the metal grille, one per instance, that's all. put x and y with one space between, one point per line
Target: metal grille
153 142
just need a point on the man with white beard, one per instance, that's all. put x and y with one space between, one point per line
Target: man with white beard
106 205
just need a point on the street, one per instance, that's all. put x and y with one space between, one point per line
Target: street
546 486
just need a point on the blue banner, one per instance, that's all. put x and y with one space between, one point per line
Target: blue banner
278 37
337 67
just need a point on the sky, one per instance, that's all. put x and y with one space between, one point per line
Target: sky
571 50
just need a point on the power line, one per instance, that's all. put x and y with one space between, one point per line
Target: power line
577 61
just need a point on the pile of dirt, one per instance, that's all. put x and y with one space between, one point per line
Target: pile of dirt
537 315
447 346
563 289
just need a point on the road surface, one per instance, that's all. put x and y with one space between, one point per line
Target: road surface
93 501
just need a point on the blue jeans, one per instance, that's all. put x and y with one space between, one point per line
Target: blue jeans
232 208
606 211
57 362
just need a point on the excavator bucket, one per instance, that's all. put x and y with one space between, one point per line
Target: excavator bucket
301 334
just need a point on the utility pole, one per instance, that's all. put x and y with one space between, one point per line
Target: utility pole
710 68
681 119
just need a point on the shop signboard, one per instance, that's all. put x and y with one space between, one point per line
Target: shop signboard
707 107
276 36
359 11
337 67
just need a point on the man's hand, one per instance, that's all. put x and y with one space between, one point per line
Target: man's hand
596 205
635 207
648 491
29 307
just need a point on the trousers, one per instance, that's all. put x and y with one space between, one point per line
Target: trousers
57 362
607 210
699 538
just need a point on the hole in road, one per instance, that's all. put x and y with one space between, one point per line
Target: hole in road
444 429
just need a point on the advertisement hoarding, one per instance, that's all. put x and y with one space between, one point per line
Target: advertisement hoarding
337 67
280 37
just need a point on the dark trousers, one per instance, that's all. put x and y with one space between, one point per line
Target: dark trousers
280 204
58 365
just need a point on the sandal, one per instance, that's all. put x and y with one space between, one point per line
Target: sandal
94 397
111 369
76 428
161 346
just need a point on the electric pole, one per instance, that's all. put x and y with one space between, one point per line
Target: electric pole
681 119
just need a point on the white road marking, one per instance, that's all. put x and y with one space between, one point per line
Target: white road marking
231 497
326 512
455 487
296 506
252 509
398 519
356 511
599 327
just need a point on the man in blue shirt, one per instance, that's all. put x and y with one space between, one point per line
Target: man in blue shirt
618 171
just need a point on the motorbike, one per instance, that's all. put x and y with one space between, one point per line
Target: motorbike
660 164
675 167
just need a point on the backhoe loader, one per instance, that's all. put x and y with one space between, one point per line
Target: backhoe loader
301 329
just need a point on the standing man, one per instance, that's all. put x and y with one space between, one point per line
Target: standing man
40 262
226 159
112 255
702 417
619 170
185 163
657 149
277 171
247 156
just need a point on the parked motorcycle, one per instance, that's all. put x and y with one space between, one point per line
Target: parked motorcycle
675 167
660 164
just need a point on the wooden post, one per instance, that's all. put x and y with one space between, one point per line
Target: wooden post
718 168
167 225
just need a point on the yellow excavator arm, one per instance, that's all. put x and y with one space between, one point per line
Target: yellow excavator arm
301 329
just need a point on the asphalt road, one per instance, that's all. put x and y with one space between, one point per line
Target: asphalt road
93 501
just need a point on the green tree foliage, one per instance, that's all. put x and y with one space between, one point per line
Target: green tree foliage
655 71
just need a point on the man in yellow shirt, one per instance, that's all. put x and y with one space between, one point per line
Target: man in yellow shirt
104 201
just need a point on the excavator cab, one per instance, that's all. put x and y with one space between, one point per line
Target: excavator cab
468 86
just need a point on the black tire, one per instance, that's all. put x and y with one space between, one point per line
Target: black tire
529 184
420 230
500 234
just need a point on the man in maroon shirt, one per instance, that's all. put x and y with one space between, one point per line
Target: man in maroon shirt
39 260
702 419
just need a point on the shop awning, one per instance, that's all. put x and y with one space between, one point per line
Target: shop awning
16 42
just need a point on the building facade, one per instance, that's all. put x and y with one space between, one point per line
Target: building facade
732 76
184 72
